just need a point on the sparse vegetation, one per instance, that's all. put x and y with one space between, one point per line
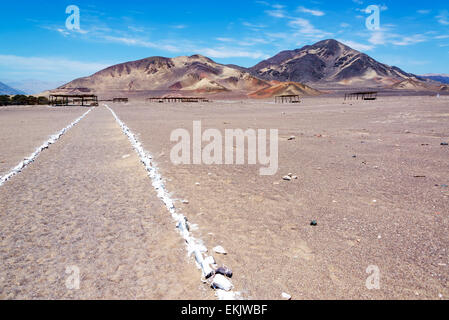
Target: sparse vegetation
21 100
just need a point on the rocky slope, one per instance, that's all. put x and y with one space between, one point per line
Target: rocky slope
196 74
329 62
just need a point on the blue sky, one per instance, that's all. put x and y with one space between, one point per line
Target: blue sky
35 43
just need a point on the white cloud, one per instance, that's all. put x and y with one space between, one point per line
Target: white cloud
306 29
443 18
423 11
316 13
142 43
223 52
253 26
409 40
276 13
58 67
357 46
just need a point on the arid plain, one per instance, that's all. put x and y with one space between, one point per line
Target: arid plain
373 174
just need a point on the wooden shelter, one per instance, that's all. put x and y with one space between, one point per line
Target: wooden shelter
291 98
177 99
88 100
120 100
368 95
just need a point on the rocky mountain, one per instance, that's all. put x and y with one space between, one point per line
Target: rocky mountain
329 62
195 74
7 90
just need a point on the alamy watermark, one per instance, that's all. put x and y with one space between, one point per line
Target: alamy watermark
73 280
229 151
373 281
373 21
73 20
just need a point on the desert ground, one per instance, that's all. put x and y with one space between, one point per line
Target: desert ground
373 175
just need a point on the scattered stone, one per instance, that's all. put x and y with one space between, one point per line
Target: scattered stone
314 223
419 176
295 178
220 250
407 131
126 156
185 201
287 178
225 271
220 282
197 184
444 144
291 138
354 156
286 296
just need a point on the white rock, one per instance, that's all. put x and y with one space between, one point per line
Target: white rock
287 178
185 201
210 260
225 295
221 282
286 296
220 250
126 156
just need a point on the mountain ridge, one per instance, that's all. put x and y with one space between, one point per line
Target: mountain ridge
328 61
324 64
194 74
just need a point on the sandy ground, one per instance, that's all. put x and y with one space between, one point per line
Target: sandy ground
83 204
24 128
370 209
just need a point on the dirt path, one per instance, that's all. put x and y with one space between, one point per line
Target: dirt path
87 202
24 128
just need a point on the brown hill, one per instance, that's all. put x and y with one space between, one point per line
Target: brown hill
284 88
412 84
194 74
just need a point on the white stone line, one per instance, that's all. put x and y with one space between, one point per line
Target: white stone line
194 246
22 165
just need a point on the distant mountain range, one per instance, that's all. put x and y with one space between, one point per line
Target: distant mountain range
325 64
443 78
7 90
33 86
182 75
